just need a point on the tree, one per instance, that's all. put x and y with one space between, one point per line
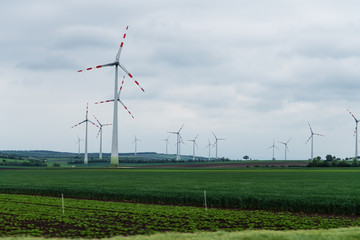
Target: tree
246 157
329 158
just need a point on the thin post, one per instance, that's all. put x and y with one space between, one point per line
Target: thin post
205 200
62 200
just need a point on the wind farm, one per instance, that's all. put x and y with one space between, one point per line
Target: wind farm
248 128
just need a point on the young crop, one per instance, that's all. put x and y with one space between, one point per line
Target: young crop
43 216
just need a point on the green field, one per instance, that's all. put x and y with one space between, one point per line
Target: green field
334 191
46 217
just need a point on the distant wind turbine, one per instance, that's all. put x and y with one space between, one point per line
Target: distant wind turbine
100 133
135 142
178 142
79 142
286 146
355 133
273 147
86 133
209 146
216 144
194 144
166 144
312 140
114 146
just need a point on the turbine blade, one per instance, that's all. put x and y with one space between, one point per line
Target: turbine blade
353 116
97 135
121 86
97 120
309 139
105 101
181 127
288 140
129 74
126 108
310 127
121 45
78 124
98 66
93 123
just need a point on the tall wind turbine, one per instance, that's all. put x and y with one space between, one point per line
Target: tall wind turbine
209 146
166 144
194 144
216 143
178 142
79 143
86 133
273 147
312 140
114 146
355 133
135 142
286 146
100 133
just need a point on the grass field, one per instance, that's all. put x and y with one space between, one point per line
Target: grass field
307 190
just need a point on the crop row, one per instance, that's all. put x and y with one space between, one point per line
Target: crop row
43 216
334 191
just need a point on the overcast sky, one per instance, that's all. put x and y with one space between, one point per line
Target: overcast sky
251 71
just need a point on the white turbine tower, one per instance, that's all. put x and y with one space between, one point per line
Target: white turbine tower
194 144
79 143
166 144
135 142
216 144
114 146
178 142
209 146
355 133
273 147
286 146
100 133
312 140
86 133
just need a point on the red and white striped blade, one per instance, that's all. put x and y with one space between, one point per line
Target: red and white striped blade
126 108
181 127
129 74
308 139
318 134
121 45
310 127
97 135
353 115
93 123
109 124
78 124
105 101
98 66
121 86
97 120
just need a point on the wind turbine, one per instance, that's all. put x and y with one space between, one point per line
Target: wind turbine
216 143
285 146
86 133
194 144
135 142
355 133
114 146
312 140
166 144
178 142
100 133
273 147
209 146
78 143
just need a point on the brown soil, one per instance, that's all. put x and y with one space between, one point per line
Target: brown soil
243 164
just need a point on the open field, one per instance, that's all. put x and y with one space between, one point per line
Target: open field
44 216
333 191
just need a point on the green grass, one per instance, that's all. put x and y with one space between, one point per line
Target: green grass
296 189
43 216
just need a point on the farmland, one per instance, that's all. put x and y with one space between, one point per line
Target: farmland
331 191
43 216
